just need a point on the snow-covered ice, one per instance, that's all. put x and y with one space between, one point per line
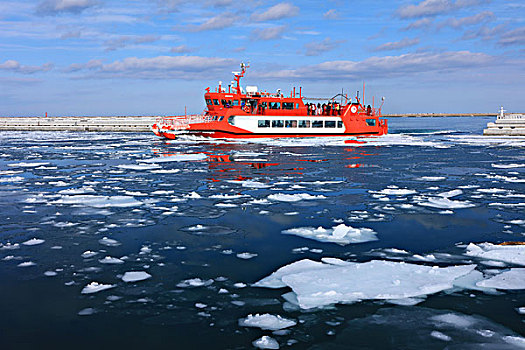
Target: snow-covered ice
285 197
246 255
111 260
266 322
95 287
135 276
377 279
511 279
33 241
340 234
266 342
514 254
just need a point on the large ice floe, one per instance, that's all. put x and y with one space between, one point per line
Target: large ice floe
514 254
319 284
340 234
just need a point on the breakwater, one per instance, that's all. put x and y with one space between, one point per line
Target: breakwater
77 123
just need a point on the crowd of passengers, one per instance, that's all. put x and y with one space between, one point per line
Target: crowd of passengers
324 109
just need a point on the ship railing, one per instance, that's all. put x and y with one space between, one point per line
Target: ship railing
182 122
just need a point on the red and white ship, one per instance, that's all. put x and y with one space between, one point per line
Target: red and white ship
239 113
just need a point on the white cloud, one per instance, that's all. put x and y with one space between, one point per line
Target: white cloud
126 40
182 49
331 14
53 7
15 66
396 45
223 20
316 48
465 21
278 11
269 33
429 8
420 23
385 67
513 37
160 67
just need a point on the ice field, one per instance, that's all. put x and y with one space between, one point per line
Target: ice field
125 240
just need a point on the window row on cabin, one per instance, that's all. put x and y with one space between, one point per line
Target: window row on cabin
299 123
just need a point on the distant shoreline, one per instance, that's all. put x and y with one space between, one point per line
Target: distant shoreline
392 115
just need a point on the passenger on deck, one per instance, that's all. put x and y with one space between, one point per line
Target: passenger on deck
369 110
319 109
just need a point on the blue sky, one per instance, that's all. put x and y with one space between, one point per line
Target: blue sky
154 57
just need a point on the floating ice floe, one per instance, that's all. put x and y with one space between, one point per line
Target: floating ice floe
12 179
194 282
266 342
109 242
514 254
86 312
26 264
180 157
511 279
111 260
27 164
432 178
95 287
445 203
284 197
375 280
246 255
33 241
88 254
266 322
395 191
135 276
138 166
340 234
508 166
98 201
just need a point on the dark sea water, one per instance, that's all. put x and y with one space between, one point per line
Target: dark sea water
205 218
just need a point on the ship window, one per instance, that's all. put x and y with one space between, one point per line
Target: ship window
317 124
304 123
371 122
339 124
287 105
297 106
263 123
216 102
231 120
208 102
226 103
235 103
277 123
221 117
275 105
329 124
290 123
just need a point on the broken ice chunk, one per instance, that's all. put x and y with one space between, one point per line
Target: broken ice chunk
266 322
340 234
266 342
135 276
95 287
